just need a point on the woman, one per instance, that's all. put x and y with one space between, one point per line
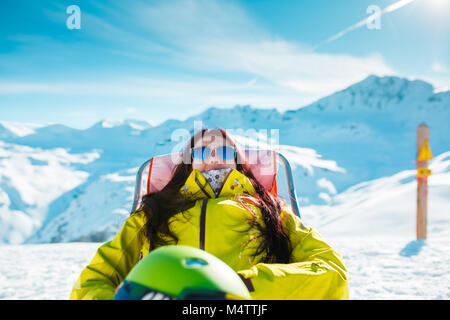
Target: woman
213 202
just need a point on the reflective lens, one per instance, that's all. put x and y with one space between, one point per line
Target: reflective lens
201 153
226 152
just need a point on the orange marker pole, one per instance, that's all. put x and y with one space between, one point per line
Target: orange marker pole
423 134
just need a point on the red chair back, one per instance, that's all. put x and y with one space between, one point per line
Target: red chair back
262 163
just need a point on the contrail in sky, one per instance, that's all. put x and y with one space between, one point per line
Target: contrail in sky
393 7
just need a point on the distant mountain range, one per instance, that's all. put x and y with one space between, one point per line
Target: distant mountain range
63 184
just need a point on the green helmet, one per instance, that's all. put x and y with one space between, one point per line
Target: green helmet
181 272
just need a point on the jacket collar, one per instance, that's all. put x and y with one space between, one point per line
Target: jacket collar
197 187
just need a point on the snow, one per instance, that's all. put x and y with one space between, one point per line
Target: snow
134 124
30 180
42 271
92 218
21 129
380 268
397 268
385 206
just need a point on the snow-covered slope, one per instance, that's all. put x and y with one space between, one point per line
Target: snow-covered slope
370 127
20 129
386 206
362 133
5 133
95 214
31 179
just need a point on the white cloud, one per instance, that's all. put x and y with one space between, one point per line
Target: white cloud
220 37
215 42
214 35
327 184
439 67
190 23
325 197
131 110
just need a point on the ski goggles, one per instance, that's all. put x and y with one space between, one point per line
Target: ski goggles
224 152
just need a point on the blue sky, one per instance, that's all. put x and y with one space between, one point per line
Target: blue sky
155 60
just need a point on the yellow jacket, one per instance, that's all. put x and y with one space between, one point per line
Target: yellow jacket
220 226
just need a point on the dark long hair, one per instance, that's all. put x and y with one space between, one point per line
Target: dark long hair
160 206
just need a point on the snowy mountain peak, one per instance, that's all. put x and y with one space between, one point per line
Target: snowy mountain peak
5 133
377 94
392 86
132 123
19 129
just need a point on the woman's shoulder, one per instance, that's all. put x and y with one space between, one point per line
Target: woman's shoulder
290 220
137 218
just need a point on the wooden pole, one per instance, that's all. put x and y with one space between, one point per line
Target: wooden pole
423 134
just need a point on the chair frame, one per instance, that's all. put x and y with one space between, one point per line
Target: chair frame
284 161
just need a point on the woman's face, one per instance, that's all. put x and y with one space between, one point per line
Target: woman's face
214 161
